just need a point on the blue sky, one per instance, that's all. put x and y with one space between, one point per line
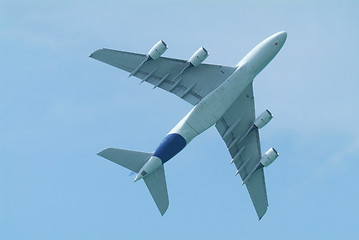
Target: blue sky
59 108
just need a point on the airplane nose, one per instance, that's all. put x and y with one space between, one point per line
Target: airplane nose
279 38
283 36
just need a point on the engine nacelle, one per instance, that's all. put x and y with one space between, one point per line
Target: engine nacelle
198 57
269 157
263 119
157 50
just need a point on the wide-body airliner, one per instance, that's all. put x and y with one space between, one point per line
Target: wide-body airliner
221 96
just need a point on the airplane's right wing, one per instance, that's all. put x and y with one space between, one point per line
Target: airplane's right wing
173 75
235 128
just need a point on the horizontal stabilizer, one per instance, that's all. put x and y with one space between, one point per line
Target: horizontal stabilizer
156 184
132 160
155 181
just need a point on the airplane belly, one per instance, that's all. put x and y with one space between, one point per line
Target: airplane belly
207 112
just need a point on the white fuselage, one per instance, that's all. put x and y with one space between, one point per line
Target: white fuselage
208 111
211 108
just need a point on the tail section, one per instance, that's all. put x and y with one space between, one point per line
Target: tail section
129 159
155 181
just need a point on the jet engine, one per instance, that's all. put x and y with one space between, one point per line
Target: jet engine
263 119
198 57
157 50
269 157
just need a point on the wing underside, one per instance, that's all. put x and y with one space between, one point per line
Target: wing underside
173 75
242 141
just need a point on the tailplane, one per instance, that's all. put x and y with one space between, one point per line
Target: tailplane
132 160
156 183
129 159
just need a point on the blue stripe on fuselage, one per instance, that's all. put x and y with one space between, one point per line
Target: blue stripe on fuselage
171 145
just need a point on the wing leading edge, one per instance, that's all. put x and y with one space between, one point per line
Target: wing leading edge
242 141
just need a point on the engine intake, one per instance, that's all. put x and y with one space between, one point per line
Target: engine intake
199 56
263 119
269 157
157 50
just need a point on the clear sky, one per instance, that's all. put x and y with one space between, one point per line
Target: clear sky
58 108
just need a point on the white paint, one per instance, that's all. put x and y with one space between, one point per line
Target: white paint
157 50
269 157
263 53
151 165
198 57
211 108
263 119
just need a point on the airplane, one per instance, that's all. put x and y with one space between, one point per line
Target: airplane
221 96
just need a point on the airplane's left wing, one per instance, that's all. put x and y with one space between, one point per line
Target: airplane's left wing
173 75
242 140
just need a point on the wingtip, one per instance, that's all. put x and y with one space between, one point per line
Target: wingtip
261 214
102 153
164 210
93 55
